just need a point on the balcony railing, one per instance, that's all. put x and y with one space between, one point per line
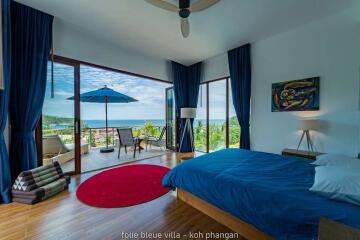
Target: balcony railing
96 137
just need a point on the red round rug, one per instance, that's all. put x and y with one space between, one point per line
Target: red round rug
123 186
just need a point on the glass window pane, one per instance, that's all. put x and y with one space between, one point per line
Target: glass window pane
200 121
58 118
170 118
234 127
217 115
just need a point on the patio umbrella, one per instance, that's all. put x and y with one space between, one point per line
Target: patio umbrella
105 95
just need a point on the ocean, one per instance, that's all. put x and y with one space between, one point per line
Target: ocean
123 123
128 123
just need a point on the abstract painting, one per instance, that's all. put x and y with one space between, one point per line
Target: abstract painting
297 95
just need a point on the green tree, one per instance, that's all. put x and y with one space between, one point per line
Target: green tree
234 128
151 129
200 136
92 140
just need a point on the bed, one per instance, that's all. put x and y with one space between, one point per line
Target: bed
268 192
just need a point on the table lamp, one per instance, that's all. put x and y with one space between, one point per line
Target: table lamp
188 114
306 125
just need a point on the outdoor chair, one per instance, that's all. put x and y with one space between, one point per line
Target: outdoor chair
54 149
126 139
156 141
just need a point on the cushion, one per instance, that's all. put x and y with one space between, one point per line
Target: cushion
40 183
335 159
350 162
338 182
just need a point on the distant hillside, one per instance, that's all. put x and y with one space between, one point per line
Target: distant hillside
48 120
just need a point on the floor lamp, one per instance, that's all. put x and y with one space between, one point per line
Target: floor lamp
188 114
306 125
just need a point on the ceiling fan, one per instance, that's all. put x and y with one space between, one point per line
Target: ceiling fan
184 10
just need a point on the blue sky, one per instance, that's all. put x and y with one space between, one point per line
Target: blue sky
151 95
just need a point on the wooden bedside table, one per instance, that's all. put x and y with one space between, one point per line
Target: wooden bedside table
184 156
300 153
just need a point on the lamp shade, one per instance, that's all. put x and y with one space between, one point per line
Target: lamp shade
188 113
308 124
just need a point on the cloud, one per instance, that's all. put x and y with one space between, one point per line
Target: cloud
151 94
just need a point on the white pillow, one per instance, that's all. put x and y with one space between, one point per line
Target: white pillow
323 159
346 162
338 182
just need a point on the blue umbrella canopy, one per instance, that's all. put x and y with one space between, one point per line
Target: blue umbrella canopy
104 95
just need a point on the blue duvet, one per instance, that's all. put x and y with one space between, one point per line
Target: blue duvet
266 190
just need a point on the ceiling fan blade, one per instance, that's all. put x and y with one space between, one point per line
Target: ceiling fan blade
164 5
202 5
185 27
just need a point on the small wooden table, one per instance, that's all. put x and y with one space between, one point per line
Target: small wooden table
300 153
140 139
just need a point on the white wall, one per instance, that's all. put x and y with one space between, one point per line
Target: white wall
329 48
71 42
215 68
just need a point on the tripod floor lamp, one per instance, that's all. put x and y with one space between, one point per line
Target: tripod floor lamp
188 114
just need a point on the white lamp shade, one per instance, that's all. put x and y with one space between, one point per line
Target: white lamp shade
188 113
308 124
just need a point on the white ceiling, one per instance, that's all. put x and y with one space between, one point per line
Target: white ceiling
139 26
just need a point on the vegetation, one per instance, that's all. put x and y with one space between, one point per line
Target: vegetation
49 121
64 127
217 134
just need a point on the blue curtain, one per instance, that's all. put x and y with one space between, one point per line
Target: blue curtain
240 75
31 44
5 178
186 91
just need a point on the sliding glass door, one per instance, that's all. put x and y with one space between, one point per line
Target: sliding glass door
216 126
217 115
234 127
59 130
170 119
76 143
200 122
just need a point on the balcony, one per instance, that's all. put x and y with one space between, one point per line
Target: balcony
61 147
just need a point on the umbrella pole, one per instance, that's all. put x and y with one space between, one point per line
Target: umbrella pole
107 149
106 123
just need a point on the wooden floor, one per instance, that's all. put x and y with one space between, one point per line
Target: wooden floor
95 160
64 217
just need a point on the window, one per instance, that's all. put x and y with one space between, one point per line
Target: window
200 121
217 115
216 126
234 127
58 118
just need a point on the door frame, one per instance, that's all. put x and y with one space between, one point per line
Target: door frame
77 63
167 117
227 111
77 125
